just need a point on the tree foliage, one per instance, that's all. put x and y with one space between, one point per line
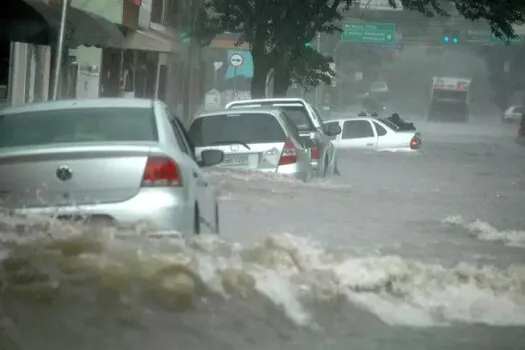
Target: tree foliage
277 30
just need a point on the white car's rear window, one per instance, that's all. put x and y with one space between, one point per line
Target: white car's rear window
236 127
115 124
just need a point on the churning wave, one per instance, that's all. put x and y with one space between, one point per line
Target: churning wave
486 232
80 278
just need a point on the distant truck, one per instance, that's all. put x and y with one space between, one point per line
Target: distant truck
449 99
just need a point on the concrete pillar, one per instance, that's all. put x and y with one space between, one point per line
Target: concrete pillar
43 72
163 59
30 74
17 73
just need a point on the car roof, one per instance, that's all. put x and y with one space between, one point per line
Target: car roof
294 100
355 118
273 111
83 103
270 100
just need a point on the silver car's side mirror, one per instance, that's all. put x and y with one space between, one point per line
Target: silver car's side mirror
211 157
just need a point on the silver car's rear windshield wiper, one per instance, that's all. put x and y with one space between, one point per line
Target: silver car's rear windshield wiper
231 142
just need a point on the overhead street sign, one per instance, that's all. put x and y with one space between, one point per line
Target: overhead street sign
236 60
372 33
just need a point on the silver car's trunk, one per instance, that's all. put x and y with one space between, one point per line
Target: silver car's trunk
259 156
98 174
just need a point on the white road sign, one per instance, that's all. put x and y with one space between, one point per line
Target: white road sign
212 100
236 60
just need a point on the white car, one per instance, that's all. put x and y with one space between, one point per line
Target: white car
374 133
264 140
309 124
512 114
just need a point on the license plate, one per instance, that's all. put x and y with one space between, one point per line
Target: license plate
235 160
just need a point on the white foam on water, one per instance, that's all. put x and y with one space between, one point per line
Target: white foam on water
486 232
289 271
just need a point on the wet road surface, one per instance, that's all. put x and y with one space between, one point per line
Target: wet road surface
418 250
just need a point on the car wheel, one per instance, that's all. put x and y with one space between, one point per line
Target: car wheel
217 220
197 221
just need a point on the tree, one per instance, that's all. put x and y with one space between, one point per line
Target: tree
306 67
275 29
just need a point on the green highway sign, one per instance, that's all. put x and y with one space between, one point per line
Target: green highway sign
373 33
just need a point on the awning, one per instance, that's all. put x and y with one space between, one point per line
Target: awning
148 40
34 21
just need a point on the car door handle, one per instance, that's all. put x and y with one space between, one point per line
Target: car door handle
370 144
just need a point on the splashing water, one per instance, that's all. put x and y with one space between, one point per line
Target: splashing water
487 232
71 267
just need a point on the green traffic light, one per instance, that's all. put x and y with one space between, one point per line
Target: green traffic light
308 44
455 40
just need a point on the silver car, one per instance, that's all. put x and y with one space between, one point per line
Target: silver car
117 161
263 140
309 125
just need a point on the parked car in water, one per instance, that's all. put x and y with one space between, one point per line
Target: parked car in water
253 139
116 161
375 134
309 125
513 114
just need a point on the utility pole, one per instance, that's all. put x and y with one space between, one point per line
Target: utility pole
318 49
60 49
189 104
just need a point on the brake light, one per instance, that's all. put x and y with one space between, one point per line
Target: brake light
289 155
414 143
161 172
315 153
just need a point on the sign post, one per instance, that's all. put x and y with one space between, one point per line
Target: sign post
370 33
236 61
216 66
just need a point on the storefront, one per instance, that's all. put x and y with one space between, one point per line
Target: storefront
31 28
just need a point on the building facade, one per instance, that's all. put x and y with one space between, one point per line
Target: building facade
126 48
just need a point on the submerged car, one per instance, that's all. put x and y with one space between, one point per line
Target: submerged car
309 124
253 139
111 161
375 134
513 114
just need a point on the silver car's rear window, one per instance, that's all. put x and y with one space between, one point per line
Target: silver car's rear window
243 127
77 125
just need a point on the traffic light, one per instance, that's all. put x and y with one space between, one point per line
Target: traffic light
450 36
308 44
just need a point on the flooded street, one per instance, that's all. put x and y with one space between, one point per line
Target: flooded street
403 251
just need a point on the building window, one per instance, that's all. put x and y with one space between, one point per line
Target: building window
173 13
168 12
157 11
